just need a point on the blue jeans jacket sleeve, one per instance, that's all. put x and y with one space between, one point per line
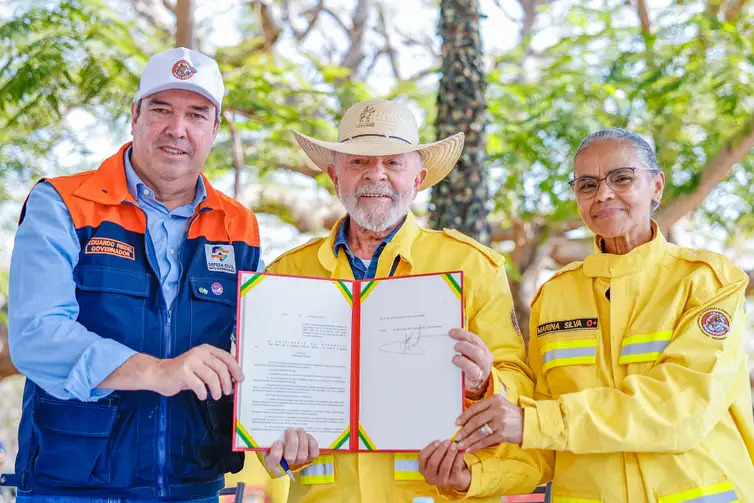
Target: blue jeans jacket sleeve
46 343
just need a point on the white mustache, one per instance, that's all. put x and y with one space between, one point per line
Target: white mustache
378 190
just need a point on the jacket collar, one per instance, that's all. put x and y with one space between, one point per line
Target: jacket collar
400 245
108 185
607 265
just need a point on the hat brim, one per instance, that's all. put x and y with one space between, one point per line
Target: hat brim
438 158
188 86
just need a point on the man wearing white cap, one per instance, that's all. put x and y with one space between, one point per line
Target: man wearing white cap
378 166
122 306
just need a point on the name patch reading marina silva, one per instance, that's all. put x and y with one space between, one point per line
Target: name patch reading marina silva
567 326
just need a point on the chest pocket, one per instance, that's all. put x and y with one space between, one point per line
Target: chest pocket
213 309
113 303
568 362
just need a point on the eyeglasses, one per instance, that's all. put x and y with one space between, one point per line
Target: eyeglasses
620 180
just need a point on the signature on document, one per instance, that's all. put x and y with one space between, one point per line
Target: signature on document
409 344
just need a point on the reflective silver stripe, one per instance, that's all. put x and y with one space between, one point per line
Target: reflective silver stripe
568 353
407 465
315 470
726 497
644 347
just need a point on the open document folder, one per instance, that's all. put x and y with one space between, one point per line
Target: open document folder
360 365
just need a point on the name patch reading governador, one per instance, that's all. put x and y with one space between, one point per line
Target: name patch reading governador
567 326
104 246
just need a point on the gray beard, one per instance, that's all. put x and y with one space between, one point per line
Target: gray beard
376 220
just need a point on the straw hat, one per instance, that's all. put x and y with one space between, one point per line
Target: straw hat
379 127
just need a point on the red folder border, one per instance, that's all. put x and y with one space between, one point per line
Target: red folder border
353 433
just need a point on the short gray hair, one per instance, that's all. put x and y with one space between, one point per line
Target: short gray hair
642 147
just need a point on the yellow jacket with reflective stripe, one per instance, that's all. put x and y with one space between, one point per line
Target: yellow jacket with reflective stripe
387 477
641 378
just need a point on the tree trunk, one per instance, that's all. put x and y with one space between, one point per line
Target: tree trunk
461 200
184 24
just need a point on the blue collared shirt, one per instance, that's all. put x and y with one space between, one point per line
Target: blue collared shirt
166 229
360 271
47 344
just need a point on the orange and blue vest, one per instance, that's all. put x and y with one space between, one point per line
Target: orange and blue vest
139 444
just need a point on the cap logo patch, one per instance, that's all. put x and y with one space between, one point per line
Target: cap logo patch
183 70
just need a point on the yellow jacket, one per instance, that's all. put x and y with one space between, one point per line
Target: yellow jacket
388 477
641 378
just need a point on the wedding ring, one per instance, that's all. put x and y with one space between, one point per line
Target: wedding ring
479 377
486 430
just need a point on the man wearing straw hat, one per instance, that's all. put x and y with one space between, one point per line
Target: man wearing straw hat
378 166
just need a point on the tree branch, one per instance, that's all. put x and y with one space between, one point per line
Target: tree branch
237 150
646 32
355 54
184 23
373 63
511 18
145 12
169 6
646 25
270 29
734 10
717 169
389 49
337 19
525 34
300 168
305 214
713 7
426 43
313 15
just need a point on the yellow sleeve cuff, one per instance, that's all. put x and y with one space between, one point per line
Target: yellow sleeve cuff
475 467
544 425
496 386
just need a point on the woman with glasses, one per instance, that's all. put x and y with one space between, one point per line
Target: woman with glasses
642 392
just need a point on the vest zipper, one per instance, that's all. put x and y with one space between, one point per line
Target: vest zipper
162 424
166 323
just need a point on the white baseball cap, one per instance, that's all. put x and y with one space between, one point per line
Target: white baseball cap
182 68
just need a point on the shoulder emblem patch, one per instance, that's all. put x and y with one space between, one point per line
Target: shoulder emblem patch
514 322
715 323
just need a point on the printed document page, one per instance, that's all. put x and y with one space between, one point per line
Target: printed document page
410 392
295 351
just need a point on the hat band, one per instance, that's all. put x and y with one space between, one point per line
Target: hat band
375 134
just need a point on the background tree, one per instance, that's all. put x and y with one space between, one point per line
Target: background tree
677 71
461 201
680 75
